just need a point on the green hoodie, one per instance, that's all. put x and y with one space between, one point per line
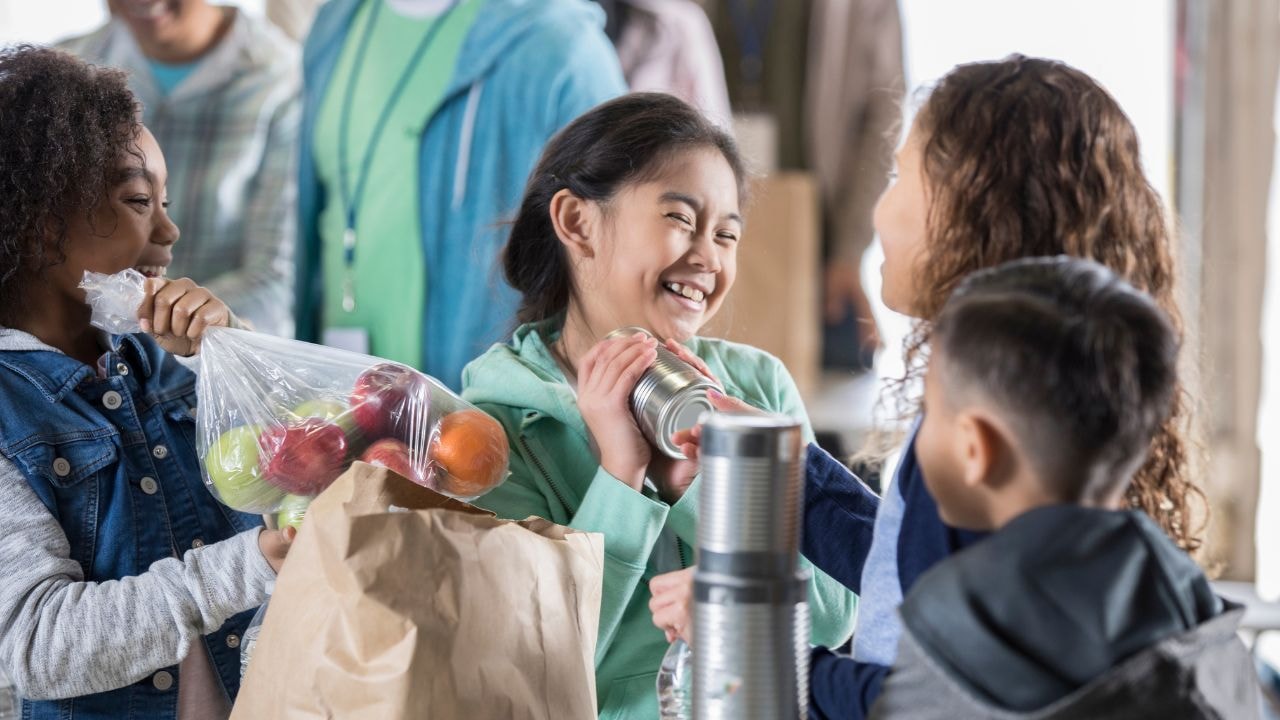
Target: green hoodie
555 475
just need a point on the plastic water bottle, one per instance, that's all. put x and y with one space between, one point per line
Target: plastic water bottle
250 638
675 683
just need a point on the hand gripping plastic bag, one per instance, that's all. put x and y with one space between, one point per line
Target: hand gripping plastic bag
115 299
279 420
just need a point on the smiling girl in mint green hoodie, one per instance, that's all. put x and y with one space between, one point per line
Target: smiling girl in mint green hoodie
631 218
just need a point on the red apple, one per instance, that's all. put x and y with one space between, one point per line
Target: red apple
394 455
303 457
391 400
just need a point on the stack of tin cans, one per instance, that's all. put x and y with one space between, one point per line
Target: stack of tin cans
751 619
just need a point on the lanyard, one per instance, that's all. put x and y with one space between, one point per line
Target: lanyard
751 20
352 198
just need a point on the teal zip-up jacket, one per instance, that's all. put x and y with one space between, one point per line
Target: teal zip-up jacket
555 475
526 69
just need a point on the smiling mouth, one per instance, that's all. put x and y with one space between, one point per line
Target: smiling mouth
145 10
685 291
152 271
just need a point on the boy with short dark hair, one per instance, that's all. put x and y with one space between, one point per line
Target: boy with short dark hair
1048 379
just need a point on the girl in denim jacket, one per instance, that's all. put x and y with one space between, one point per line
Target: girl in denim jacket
126 584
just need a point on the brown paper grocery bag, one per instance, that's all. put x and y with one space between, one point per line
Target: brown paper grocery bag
397 602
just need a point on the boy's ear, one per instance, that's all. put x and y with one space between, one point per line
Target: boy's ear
980 446
576 223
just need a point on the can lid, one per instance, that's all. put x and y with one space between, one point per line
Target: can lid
750 421
691 411
749 435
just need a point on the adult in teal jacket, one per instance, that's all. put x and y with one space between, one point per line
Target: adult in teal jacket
422 120
632 218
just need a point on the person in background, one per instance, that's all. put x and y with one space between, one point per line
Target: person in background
219 89
853 96
668 46
127 586
823 81
293 17
1047 380
421 122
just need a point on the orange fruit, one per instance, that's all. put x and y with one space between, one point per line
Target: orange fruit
471 447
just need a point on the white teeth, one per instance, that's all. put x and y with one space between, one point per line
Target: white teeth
691 293
152 270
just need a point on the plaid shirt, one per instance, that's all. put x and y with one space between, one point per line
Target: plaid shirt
229 132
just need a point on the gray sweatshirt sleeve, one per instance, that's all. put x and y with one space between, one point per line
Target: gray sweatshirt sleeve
63 637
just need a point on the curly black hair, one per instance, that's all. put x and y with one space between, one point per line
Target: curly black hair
64 125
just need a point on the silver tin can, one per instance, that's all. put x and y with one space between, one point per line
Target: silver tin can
750 648
671 395
750 503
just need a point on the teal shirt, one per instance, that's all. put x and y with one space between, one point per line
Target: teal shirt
555 475
168 76
389 266
526 68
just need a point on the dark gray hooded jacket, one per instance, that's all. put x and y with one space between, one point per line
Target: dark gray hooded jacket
1070 612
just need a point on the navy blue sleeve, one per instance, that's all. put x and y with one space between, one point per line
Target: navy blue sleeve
841 688
839 521
924 539
839 517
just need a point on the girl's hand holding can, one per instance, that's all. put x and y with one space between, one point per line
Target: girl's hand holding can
606 376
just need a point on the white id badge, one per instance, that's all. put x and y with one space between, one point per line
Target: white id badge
347 338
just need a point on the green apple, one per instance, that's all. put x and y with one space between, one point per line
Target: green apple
292 510
332 410
232 466
326 409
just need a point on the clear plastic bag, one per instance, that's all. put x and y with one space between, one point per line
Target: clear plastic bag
115 299
249 640
279 420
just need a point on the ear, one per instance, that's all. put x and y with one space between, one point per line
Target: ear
576 222
980 444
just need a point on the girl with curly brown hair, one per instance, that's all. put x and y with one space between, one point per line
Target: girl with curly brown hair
127 586
1018 158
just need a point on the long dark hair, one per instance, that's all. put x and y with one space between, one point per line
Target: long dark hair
626 140
1029 157
64 125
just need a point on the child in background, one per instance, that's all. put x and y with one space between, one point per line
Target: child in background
1047 380
126 585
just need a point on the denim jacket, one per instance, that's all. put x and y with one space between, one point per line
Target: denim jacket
113 459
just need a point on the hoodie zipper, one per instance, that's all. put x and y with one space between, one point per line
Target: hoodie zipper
545 475
680 546
463 165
